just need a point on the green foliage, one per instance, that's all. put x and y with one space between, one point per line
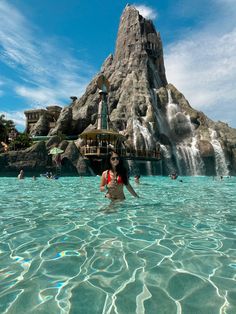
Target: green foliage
9 134
5 128
22 141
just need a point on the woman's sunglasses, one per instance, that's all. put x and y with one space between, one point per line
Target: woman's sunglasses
115 158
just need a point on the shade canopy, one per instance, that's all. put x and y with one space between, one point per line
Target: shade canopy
102 135
55 151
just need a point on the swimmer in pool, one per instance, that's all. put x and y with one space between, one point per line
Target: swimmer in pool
21 175
114 179
136 178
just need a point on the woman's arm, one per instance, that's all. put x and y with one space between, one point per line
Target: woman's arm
103 182
131 190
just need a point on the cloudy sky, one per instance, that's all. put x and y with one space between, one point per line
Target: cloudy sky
50 50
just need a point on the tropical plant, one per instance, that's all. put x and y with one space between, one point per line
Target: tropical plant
5 128
22 141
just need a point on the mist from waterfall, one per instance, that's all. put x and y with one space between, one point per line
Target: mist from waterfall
134 135
143 141
167 157
149 167
138 128
164 128
159 115
181 154
185 151
220 161
187 154
172 110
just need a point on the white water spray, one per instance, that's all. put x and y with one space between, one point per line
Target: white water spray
221 165
147 136
187 153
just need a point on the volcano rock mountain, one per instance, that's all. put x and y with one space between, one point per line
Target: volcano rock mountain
148 110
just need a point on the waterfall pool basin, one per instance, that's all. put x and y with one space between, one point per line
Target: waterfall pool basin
65 249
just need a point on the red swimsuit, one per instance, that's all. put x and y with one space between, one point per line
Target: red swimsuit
119 179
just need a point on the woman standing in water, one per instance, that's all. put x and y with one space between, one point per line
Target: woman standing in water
115 178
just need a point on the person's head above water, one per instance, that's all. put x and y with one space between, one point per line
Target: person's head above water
115 163
112 159
136 178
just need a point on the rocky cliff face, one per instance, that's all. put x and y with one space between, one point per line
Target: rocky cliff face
148 110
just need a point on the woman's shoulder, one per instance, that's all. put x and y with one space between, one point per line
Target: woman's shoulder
105 173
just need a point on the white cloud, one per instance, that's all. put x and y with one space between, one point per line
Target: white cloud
17 116
43 96
40 96
146 12
203 68
226 2
47 72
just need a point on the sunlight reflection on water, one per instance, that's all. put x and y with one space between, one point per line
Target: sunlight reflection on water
63 246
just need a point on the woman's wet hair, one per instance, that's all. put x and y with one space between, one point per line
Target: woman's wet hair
120 168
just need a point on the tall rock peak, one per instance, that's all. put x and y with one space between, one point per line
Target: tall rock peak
138 40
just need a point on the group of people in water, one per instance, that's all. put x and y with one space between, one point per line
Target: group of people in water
21 175
113 180
48 175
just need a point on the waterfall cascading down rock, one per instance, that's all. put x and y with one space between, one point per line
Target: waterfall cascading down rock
220 160
185 148
181 153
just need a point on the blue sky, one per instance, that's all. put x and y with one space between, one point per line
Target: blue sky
51 49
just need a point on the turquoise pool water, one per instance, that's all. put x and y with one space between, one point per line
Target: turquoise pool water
63 249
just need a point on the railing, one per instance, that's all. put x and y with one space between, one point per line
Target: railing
123 152
46 138
94 150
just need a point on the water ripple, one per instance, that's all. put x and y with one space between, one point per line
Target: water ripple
64 249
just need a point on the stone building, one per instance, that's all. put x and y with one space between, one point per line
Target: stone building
51 113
